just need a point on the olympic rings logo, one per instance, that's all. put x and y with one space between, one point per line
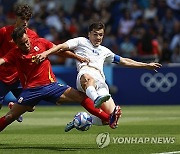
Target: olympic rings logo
158 81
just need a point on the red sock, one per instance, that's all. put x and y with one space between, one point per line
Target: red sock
88 104
3 123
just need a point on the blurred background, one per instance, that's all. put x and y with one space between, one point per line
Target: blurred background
143 30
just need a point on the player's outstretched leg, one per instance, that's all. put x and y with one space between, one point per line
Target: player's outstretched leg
101 99
69 126
10 105
114 117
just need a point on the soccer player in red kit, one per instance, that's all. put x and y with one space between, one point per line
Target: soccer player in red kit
38 80
9 80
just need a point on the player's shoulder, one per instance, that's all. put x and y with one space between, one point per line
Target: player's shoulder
104 48
84 41
40 39
7 29
81 39
32 33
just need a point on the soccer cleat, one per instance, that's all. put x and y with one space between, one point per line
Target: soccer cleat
69 126
20 118
114 117
101 99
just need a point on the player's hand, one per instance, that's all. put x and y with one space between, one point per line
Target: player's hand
83 60
41 57
153 66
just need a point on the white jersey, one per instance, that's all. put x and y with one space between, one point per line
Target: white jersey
97 55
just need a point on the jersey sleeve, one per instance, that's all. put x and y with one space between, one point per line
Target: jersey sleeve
111 57
2 32
10 57
73 43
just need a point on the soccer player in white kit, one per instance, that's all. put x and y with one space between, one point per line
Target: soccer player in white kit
91 78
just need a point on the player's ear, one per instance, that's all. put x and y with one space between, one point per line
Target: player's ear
88 34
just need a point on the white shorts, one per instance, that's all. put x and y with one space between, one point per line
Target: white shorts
100 84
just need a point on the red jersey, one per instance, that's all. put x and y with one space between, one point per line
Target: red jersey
30 73
8 72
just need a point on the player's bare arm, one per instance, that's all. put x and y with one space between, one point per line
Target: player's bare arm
55 49
60 49
71 54
134 64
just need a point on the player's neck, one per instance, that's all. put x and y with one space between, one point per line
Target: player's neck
95 46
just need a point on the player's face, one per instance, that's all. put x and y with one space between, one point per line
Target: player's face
24 44
96 37
21 22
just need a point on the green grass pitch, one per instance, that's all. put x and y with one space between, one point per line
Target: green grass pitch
43 132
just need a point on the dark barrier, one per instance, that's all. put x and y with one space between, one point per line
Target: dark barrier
133 86
139 86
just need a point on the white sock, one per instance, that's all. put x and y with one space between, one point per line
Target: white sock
96 121
91 92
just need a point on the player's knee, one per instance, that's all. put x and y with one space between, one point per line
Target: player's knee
86 78
87 81
31 109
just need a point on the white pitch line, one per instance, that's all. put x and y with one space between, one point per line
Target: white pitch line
173 152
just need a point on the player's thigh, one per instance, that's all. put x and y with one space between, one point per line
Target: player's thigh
108 106
87 80
72 95
16 89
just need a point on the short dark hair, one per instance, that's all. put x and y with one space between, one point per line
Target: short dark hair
96 26
18 33
24 11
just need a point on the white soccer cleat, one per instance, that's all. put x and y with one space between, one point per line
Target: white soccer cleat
101 99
